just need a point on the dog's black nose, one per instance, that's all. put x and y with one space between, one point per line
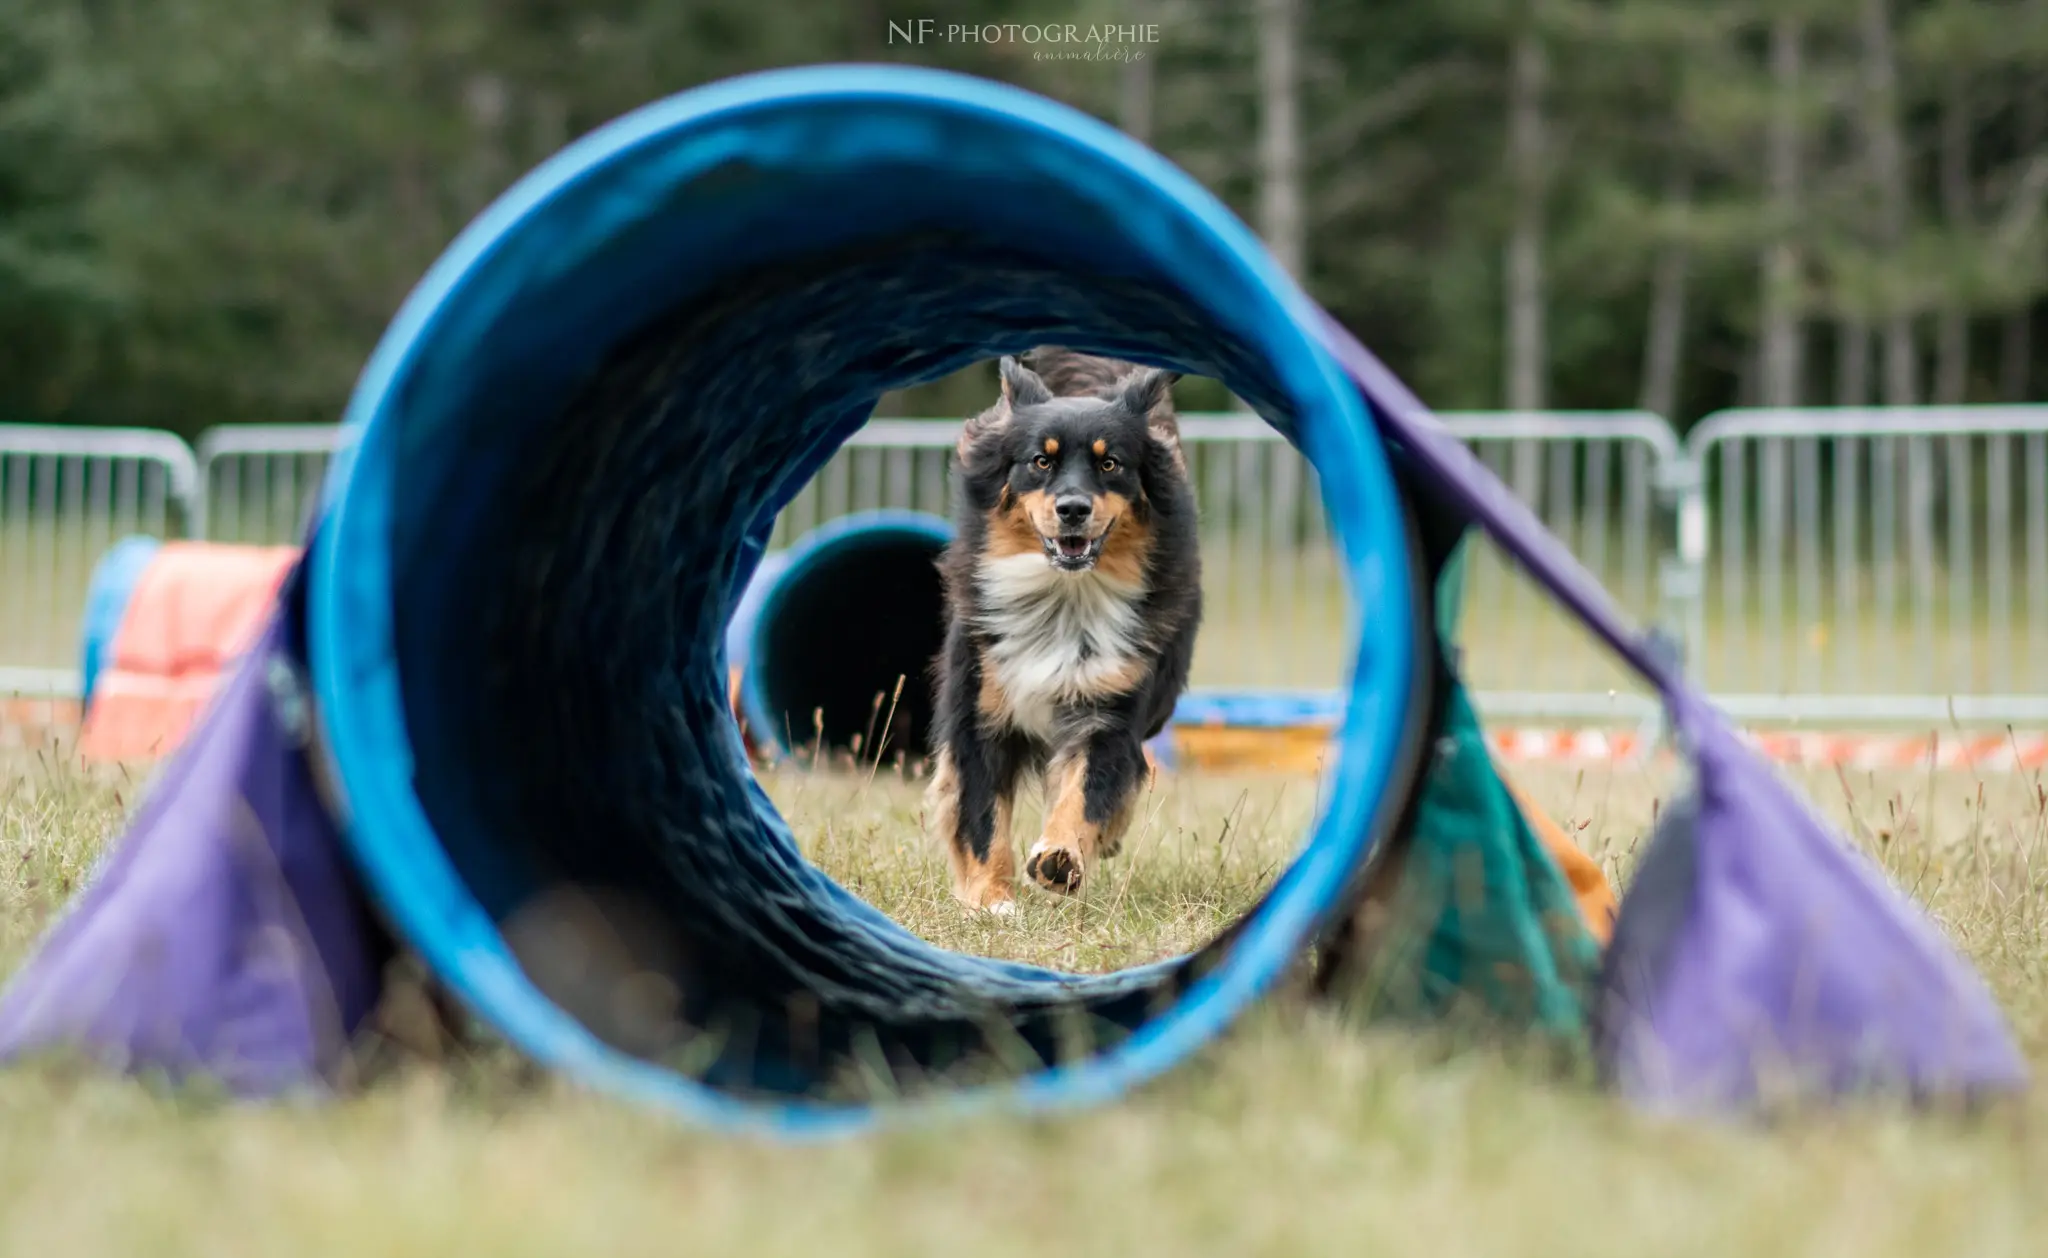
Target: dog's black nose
1074 508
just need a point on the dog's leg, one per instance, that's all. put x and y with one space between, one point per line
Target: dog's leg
1091 795
1109 837
1119 824
968 805
971 817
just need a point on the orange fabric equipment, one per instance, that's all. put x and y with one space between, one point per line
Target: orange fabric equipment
1597 904
194 610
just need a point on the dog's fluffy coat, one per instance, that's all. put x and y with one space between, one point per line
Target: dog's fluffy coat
1073 594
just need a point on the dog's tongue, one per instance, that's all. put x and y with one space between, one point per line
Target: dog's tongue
1073 547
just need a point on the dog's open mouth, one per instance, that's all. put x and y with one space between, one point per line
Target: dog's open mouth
1073 553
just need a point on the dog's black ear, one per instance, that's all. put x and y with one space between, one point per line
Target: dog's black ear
1021 385
1148 392
978 431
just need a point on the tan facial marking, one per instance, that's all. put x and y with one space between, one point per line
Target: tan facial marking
1129 541
1052 445
1039 509
1012 526
1101 447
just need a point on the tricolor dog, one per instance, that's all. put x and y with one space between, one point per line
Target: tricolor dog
1073 592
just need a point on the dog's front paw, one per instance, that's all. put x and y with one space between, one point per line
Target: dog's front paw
986 896
1054 868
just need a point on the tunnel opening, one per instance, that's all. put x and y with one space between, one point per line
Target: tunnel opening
571 452
846 639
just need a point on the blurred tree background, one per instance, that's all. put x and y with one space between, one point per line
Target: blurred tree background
210 208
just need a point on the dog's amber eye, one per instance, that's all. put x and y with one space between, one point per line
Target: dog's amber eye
1108 466
1041 462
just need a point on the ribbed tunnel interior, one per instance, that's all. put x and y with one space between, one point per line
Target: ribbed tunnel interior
572 449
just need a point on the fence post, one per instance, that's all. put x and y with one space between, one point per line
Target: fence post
1681 571
66 494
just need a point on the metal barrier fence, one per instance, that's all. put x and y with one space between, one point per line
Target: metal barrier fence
1600 481
1275 604
66 494
1880 563
1275 609
1875 565
259 482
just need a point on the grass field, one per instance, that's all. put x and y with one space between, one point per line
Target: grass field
1295 1135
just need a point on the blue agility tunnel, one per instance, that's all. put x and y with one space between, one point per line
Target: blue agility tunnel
834 638
490 722
586 419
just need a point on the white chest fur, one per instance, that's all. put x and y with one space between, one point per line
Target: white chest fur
1057 638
